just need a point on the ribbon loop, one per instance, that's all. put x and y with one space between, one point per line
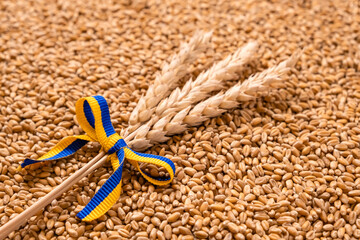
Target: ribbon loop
94 118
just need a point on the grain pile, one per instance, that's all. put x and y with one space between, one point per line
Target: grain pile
284 166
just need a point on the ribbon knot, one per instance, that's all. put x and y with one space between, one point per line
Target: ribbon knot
113 143
94 118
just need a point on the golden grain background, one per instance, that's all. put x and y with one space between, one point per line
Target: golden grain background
285 166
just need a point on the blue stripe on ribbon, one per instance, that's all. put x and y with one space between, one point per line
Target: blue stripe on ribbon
106 189
88 114
119 144
164 159
157 178
72 148
121 155
105 116
28 161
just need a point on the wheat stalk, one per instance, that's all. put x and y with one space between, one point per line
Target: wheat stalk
158 129
168 79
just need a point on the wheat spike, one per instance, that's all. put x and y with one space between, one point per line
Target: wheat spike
168 79
177 105
195 91
253 87
208 81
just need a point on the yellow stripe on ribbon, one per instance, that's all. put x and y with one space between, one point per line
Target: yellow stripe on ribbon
94 117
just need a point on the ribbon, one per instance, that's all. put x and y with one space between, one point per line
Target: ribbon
94 118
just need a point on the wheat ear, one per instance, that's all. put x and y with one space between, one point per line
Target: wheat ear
208 81
214 106
195 91
250 89
168 79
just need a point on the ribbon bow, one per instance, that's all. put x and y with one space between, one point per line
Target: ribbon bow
94 118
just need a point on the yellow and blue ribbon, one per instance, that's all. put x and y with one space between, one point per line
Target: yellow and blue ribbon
94 118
